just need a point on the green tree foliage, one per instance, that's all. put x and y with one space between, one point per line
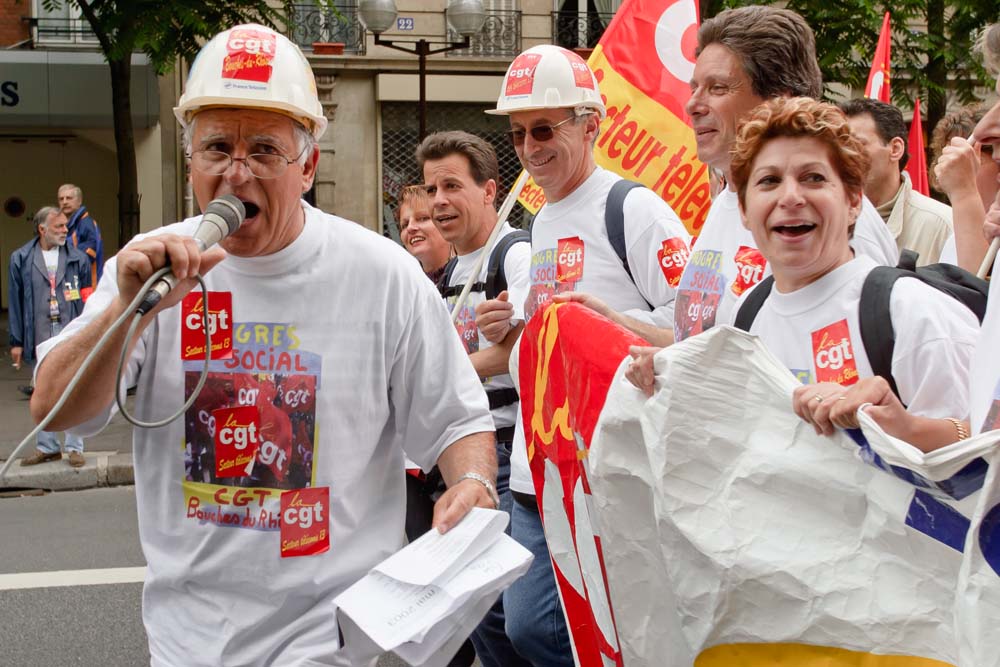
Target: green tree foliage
165 31
932 45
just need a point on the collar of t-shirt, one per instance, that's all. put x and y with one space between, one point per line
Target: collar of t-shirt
289 258
817 292
573 202
51 257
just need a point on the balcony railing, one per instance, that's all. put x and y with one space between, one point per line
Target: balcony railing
311 23
573 30
499 36
60 31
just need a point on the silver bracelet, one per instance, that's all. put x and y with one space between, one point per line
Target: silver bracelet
485 482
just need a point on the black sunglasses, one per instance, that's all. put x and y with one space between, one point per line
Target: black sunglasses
539 133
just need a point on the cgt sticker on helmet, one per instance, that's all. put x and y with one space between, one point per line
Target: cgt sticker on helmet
521 75
582 78
249 55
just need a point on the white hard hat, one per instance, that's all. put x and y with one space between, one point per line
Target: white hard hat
548 77
251 66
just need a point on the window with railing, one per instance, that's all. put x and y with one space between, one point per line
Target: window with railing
499 36
312 23
573 27
63 26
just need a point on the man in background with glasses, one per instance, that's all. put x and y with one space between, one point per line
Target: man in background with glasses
328 351
554 104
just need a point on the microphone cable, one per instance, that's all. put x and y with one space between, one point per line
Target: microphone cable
130 310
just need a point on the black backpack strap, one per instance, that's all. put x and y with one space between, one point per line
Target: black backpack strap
753 303
908 260
614 219
447 291
496 277
614 223
874 315
442 283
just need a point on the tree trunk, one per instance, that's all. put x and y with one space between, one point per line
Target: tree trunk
937 99
128 180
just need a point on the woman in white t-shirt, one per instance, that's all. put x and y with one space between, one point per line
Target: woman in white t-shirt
799 173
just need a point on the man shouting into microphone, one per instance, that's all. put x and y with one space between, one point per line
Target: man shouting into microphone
283 483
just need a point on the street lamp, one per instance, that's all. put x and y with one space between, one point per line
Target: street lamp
466 17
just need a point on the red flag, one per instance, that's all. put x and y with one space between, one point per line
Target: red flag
878 77
916 166
644 62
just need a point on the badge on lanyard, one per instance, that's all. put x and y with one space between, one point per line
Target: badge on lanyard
305 522
220 325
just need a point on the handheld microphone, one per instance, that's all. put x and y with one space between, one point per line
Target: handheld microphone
222 217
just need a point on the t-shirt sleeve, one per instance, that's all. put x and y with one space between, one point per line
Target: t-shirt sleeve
517 269
935 340
658 247
99 301
436 396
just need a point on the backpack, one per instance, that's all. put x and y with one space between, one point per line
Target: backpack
877 334
496 279
614 223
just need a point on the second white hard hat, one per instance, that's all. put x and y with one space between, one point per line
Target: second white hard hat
548 77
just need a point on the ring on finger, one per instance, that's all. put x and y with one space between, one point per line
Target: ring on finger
841 398
818 399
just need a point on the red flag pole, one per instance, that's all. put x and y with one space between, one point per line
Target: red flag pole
878 78
916 166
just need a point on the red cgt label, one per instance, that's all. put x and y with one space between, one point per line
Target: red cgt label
220 325
237 439
833 354
305 522
673 258
750 265
581 73
249 55
521 76
569 260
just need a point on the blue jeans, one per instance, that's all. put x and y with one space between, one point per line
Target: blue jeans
48 441
493 647
535 621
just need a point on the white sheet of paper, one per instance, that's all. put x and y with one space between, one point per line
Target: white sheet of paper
427 618
432 555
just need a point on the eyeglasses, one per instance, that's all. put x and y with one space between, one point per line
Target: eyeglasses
261 165
539 133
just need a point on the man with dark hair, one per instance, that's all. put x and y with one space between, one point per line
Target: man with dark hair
46 276
83 230
461 176
916 221
745 57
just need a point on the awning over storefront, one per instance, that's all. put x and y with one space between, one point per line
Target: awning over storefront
70 89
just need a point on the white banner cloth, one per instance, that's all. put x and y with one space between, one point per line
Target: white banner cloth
725 519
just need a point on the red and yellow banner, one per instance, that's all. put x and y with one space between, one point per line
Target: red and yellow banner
878 78
644 64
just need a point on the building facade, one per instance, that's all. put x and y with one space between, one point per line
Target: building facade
56 119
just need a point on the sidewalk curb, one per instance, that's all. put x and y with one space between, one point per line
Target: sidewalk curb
101 469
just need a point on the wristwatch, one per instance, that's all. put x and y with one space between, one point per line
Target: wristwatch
485 482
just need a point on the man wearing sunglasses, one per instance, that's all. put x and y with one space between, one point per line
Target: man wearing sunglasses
554 104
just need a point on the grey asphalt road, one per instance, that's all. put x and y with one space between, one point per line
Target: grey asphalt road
74 625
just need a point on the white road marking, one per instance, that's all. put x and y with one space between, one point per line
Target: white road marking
96 577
